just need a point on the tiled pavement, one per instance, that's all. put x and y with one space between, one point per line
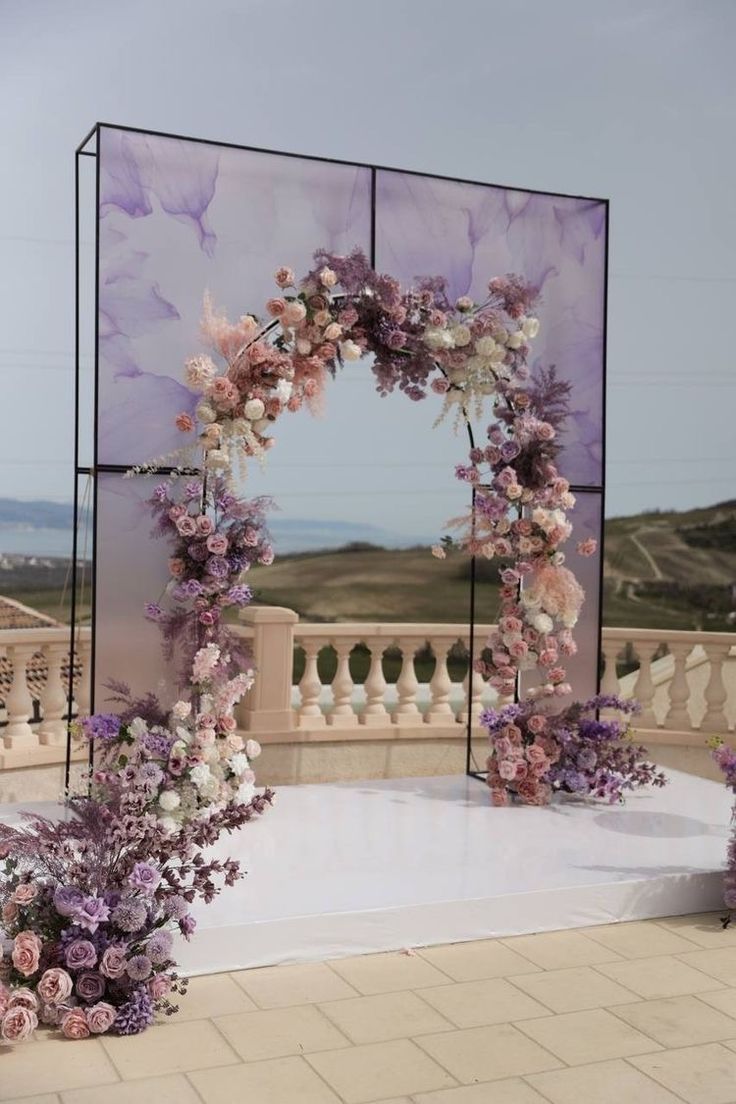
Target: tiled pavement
642 1013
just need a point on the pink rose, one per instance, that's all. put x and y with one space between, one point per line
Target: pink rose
507 769
25 893
217 544
545 432
250 537
500 798
440 386
26 953
519 649
267 556
206 720
177 512
294 313
159 986
55 986
176 566
23 998
227 723
10 912
205 525
284 277
18 1024
522 770
186 526
587 547
276 307
223 392
4 999
556 674
74 1024
536 723
184 422
100 1017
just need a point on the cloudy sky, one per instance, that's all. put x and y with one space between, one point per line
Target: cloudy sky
633 100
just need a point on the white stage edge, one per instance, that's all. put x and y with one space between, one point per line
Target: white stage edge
354 867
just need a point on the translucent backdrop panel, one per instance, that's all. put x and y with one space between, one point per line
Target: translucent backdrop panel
470 232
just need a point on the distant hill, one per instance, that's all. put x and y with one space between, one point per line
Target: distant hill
35 514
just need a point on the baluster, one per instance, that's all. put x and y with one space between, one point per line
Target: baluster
406 714
19 703
644 687
715 692
473 679
343 715
440 711
310 686
375 714
52 730
678 716
609 682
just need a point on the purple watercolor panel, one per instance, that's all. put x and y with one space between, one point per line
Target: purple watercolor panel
471 232
178 217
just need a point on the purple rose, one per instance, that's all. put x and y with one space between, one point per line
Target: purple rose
90 986
67 899
80 955
153 611
197 551
139 967
145 877
114 960
91 913
218 567
509 450
239 595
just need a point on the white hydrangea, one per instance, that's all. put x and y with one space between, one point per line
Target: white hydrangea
438 339
543 623
137 728
200 774
180 710
252 749
530 327
239 763
461 336
169 800
205 413
168 824
484 346
244 793
516 340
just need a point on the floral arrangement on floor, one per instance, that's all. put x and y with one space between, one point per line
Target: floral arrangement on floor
536 752
725 757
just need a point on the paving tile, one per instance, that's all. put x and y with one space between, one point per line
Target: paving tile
387 973
601 1083
720 964
486 958
574 989
487 1053
592 1036
211 995
722 999
703 928
53 1065
378 1071
512 1091
385 1016
476 1003
559 950
679 1021
173 1048
698 1074
282 986
281 1081
48 1098
150 1090
639 939
661 976
279 1032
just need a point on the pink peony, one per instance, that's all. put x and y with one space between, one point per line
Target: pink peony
25 893
100 1017
23 998
55 986
74 1024
26 953
18 1024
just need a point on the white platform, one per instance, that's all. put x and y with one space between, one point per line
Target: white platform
353 867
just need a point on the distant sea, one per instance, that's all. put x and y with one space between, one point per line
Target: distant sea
26 541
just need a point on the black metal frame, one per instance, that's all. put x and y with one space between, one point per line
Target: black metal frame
97 468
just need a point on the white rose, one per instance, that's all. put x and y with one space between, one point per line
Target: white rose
283 390
181 709
437 339
239 763
252 749
262 425
498 354
461 336
205 413
542 622
328 278
502 336
333 331
137 728
254 409
516 340
530 326
350 351
485 346
514 491
169 800
303 347
218 459
530 599
244 793
200 774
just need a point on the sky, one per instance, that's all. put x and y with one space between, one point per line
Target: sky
633 100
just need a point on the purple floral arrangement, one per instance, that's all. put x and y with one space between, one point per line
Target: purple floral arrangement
90 908
725 757
535 753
